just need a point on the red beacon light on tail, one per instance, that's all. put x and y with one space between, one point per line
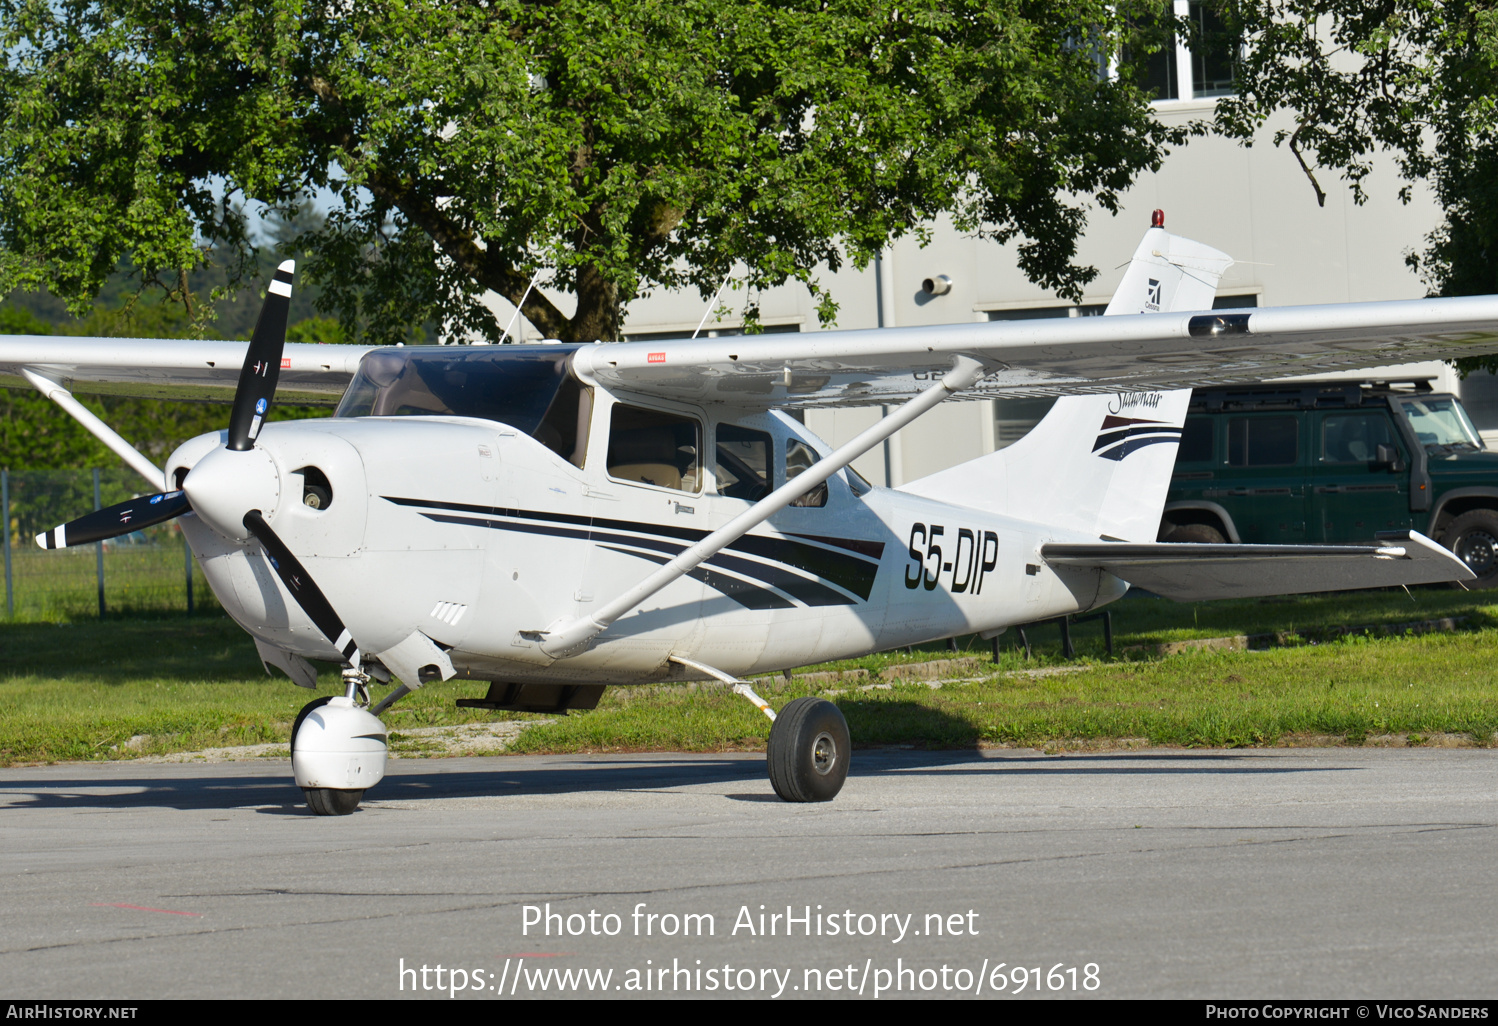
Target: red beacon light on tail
1157 219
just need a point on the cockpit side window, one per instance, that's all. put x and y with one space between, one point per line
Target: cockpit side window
654 447
743 464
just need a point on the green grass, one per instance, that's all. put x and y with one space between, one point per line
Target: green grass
63 585
1345 691
81 690
75 691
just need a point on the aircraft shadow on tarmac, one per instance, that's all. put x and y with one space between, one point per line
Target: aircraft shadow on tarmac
412 780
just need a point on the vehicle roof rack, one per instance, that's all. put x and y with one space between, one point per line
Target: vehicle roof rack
1304 395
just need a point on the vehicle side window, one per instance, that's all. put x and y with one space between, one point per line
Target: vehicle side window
798 458
1196 441
655 448
743 463
1354 437
1263 441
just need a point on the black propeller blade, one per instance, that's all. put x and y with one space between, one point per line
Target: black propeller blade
122 518
302 587
262 362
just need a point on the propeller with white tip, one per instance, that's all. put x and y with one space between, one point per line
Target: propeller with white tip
229 488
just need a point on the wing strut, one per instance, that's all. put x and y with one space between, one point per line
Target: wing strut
567 637
96 427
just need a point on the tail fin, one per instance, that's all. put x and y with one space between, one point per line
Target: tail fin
1099 464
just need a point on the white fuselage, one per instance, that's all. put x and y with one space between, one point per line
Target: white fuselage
471 533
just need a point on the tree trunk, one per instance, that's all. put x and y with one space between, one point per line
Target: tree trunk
597 317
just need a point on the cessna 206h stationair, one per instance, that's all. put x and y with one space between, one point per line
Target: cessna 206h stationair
558 518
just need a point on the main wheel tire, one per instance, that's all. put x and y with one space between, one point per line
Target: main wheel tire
329 801
1473 538
1199 534
808 751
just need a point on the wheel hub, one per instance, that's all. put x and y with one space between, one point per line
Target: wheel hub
824 753
1478 550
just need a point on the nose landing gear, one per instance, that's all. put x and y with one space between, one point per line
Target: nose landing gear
338 749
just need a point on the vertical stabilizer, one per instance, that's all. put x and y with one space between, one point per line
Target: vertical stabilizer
1099 464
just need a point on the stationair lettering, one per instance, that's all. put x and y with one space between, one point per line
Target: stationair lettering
973 555
1130 400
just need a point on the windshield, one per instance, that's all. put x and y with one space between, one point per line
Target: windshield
1441 424
527 387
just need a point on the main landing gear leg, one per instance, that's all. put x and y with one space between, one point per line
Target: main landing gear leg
809 746
338 748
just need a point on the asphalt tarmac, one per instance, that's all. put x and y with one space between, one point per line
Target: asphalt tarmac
1202 874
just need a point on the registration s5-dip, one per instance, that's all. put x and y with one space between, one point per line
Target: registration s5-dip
556 519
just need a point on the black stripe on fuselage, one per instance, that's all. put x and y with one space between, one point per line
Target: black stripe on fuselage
812 593
745 594
852 573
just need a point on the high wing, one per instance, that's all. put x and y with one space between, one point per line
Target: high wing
1198 573
311 375
1061 356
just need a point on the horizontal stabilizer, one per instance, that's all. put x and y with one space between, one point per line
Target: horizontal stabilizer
1190 572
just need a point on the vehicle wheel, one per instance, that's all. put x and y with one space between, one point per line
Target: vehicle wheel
328 801
808 751
316 703
1473 538
1199 534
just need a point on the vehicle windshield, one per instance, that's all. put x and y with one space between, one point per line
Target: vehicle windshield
1441 424
527 387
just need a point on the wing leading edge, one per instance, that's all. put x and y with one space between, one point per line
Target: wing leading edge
1193 573
313 375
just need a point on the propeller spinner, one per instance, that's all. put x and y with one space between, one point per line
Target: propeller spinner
230 488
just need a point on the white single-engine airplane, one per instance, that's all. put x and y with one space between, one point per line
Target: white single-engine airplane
558 518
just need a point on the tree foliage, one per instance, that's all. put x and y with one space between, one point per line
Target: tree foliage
612 147
1418 78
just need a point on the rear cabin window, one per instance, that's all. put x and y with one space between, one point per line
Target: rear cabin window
1196 441
1354 437
655 448
744 464
799 458
1263 441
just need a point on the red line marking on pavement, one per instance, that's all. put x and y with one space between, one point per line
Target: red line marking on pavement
536 954
142 908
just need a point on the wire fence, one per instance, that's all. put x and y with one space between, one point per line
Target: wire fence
147 571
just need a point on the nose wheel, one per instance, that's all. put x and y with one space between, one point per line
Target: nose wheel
338 749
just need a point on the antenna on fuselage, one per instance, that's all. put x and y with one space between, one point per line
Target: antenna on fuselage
526 295
711 305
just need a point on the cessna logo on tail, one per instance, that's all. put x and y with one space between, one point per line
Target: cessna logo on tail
1152 300
1120 436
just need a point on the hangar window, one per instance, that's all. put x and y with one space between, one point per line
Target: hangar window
1197 65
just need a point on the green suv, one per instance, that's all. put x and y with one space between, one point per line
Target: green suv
1335 461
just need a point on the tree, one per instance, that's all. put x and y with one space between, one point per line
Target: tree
614 147
1418 78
